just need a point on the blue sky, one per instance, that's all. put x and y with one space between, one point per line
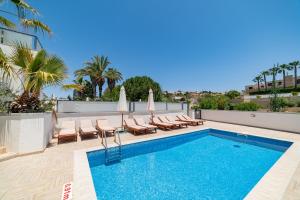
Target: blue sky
188 45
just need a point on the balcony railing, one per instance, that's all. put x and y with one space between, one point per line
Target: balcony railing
11 37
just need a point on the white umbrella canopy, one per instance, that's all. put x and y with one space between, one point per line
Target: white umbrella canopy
150 104
122 104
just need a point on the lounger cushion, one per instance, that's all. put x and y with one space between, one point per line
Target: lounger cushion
67 132
88 129
107 128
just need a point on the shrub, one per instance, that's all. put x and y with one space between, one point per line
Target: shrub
298 104
277 103
247 106
232 94
219 102
290 104
295 93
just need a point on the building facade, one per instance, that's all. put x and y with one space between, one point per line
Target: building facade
289 82
8 39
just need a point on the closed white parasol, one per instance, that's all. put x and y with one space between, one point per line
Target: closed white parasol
151 105
122 104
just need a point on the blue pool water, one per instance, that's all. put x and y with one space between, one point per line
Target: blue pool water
208 164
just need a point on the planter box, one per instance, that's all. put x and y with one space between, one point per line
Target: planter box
25 132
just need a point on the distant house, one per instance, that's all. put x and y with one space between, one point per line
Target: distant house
289 82
8 39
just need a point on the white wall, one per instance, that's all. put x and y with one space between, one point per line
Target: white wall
101 106
278 121
25 132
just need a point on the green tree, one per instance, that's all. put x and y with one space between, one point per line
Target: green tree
294 65
232 94
26 16
274 71
35 73
264 75
112 95
282 69
113 76
257 80
137 88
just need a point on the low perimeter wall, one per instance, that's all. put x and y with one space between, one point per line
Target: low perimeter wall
278 121
25 132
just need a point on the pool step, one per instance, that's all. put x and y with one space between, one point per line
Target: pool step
113 155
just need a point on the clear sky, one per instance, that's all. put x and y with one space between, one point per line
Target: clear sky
182 44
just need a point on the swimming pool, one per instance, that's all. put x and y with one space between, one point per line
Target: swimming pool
208 164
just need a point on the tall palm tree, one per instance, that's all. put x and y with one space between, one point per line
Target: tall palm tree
282 69
294 65
95 70
274 71
264 74
97 67
113 76
257 80
26 16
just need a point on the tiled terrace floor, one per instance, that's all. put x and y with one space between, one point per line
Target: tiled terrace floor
42 175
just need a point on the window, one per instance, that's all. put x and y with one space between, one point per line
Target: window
298 81
250 88
270 84
279 83
262 86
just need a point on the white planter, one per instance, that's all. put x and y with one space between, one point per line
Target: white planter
25 132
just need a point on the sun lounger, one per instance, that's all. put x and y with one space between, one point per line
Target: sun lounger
103 126
131 126
165 120
196 120
161 125
173 120
86 129
191 122
141 122
67 131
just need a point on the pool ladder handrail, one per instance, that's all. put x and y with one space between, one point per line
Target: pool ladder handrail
112 154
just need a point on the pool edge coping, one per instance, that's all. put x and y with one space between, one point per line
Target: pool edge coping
286 164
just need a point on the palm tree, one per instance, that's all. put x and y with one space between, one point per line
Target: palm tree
35 73
113 76
274 71
23 11
282 69
264 74
38 71
86 72
294 65
257 80
96 69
